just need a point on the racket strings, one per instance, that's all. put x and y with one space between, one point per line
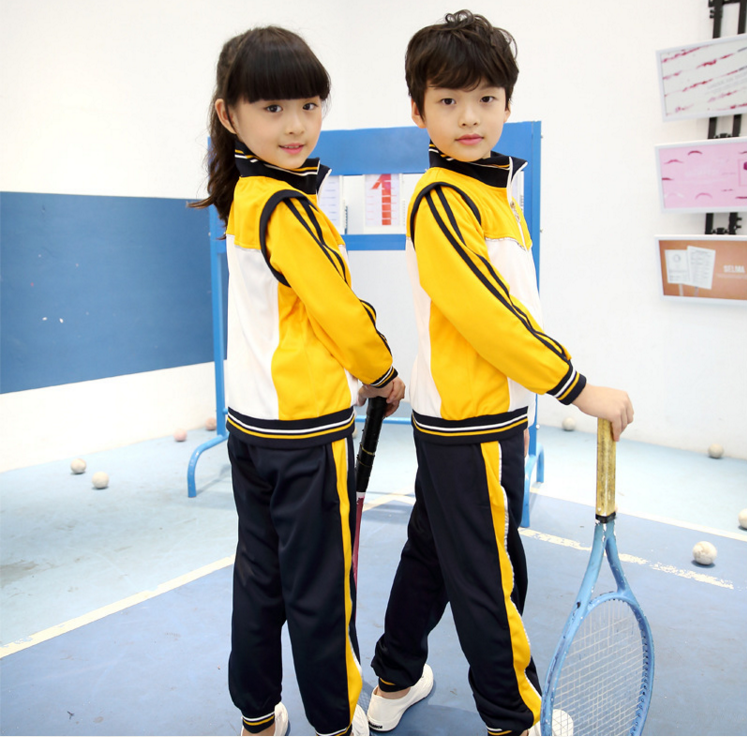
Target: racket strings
604 674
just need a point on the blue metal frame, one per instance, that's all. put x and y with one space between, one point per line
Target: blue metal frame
536 457
382 151
217 264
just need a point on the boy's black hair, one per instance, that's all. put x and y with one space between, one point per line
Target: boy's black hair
269 63
459 53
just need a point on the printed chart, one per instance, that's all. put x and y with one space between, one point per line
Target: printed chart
704 267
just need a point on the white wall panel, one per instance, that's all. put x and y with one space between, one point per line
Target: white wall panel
105 97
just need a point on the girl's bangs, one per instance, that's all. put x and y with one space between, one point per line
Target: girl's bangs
280 72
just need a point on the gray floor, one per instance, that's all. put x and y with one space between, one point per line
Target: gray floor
116 602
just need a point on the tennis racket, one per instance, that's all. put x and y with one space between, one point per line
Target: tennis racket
364 463
601 675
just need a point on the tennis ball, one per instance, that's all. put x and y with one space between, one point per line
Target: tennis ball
78 465
210 423
569 424
704 553
743 519
100 480
180 435
715 451
562 723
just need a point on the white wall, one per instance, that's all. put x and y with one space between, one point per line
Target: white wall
110 98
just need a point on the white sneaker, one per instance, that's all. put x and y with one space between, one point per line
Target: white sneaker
281 720
360 723
384 714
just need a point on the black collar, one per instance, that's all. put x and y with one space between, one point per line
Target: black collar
496 170
308 178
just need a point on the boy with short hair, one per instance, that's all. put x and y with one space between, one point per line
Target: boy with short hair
482 356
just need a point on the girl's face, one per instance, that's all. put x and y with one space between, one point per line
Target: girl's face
280 132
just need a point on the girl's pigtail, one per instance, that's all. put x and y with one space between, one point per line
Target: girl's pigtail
222 171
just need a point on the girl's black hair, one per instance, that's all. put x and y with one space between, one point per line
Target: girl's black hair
459 53
269 63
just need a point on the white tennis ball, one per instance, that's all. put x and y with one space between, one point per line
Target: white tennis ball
562 723
569 424
704 553
78 465
210 423
743 519
715 451
180 435
100 480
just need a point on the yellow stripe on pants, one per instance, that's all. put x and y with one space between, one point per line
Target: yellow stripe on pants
491 453
355 679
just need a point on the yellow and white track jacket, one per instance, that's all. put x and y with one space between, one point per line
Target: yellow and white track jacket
298 337
482 354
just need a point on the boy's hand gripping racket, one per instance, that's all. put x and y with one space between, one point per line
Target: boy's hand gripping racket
601 675
364 463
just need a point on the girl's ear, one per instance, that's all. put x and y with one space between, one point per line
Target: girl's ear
223 115
417 118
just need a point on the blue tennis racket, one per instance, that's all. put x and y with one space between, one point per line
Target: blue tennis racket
601 675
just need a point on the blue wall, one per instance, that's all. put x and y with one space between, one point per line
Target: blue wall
123 282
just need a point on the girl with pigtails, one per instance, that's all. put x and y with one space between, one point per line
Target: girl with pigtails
300 344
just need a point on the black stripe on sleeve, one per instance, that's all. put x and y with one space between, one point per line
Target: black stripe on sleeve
286 196
440 185
500 294
569 387
334 258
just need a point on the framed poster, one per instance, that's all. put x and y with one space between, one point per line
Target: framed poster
705 267
704 80
331 201
703 176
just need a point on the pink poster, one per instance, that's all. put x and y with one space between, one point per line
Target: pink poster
704 176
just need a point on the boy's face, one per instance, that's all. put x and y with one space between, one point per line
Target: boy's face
464 124
280 132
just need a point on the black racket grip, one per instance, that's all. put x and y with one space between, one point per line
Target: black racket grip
370 439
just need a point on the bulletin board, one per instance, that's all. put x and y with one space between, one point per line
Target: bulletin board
712 268
703 176
404 151
704 80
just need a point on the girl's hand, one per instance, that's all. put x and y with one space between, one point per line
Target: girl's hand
393 392
609 404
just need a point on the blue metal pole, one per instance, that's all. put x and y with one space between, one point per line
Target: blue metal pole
217 249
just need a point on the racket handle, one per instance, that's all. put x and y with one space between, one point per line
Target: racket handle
364 463
356 544
605 471
370 439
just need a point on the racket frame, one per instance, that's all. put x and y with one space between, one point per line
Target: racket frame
604 545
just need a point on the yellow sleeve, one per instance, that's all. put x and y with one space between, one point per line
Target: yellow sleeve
458 276
319 276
